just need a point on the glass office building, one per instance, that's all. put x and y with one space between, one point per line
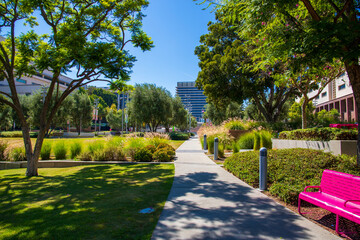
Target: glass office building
193 99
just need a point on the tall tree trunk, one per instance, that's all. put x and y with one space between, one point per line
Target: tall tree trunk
303 113
32 168
353 71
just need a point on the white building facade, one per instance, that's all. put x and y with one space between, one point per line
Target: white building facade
339 95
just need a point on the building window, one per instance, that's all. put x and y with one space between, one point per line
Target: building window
21 80
324 94
317 97
341 87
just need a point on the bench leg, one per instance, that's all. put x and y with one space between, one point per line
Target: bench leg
299 208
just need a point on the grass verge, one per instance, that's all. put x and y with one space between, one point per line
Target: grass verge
86 202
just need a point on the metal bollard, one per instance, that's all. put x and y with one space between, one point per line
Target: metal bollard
216 148
263 169
205 146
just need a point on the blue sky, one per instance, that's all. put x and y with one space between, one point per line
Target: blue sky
175 26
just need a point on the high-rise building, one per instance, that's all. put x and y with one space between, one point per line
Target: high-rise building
193 98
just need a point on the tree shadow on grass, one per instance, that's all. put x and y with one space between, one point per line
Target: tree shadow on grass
209 208
94 202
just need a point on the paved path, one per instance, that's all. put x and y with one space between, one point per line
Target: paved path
207 202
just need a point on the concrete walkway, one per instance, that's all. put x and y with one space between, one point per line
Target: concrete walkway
207 202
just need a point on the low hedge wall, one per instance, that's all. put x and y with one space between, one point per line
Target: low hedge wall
179 136
319 134
16 134
289 170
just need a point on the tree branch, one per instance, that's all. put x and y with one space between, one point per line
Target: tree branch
311 10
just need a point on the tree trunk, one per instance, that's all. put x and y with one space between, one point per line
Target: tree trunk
353 71
32 168
303 113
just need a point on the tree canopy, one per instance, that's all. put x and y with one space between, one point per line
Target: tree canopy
86 36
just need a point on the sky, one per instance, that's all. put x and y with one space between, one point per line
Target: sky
175 26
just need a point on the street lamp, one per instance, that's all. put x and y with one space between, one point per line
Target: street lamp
96 111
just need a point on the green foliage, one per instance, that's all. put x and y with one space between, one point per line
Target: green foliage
156 141
45 151
319 134
143 155
151 148
246 141
75 149
151 105
178 136
3 154
18 154
289 170
82 112
325 118
265 139
162 155
257 138
17 134
235 125
109 153
132 144
235 147
210 143
60 150
95 146
107 96
295 114
114 119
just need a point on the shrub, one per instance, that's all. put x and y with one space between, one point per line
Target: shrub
319 134
289 170
156 135
256 141
157 141
246 141
221 148
210 143
151 148
60 150
18 154
3 155
179 136
17 134
265 139
85 156
235 147
162 155
95 146
75 149
109 154
132 145
235 124
143 155
45 151
165 145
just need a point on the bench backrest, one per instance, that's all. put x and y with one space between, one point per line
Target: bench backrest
341 185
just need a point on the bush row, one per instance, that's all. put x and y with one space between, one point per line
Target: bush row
319 134
16 134
289 170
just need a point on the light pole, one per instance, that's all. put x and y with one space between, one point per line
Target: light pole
96 111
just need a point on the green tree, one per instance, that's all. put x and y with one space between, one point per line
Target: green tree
114 118
151 105
108 97
228 72
178 116
62 115
85 35
82 111
325 118
5 116
310 33
215 114
296 113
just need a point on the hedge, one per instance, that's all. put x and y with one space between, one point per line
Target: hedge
178 136
289 170
319 134
17 134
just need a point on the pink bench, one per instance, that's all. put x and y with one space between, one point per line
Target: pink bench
338 193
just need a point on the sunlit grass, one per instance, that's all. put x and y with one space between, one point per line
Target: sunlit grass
85 202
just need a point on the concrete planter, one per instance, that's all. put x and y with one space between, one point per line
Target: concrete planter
337 147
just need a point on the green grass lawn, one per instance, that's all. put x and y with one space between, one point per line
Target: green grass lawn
86 202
